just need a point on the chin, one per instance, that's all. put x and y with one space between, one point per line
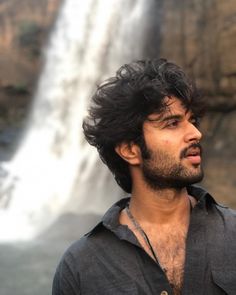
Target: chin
196 178
176 182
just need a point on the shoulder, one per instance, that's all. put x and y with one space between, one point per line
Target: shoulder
207 201
67 278
84 246
226 213
223 221
75 260
83 250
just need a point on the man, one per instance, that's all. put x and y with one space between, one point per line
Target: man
169 237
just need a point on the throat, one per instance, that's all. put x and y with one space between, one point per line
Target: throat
162 210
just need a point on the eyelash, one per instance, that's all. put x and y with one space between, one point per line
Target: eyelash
174 123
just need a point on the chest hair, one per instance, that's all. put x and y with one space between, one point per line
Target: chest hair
169 246
170 250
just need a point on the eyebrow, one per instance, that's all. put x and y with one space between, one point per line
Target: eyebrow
166 118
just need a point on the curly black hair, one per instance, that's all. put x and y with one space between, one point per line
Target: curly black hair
122 103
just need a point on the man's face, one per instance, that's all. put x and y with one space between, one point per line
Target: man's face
173 155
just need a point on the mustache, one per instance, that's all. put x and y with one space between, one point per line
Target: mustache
184 152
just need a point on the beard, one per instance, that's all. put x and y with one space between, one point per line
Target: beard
162 171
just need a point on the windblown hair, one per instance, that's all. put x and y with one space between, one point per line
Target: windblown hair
122 103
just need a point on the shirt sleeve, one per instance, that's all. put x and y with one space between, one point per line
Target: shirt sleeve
66 279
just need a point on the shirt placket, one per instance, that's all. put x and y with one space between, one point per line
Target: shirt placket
195 261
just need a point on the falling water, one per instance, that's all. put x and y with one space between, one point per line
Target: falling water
54 170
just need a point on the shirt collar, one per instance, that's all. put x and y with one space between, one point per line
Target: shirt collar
111 218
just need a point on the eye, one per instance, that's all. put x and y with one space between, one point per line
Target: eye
172 123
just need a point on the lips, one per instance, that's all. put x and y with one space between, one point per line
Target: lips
193 152
193 155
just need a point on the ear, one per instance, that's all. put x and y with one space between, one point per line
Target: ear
130 152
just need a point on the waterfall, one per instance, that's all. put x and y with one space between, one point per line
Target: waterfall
54 170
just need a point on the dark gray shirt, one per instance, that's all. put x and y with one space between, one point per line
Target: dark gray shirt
110 260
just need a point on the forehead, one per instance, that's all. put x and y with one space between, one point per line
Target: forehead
173 106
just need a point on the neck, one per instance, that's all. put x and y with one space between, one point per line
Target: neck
161 207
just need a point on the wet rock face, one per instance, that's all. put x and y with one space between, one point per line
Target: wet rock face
200 35
219 129
24 27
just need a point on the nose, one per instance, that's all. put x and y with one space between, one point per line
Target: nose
193 133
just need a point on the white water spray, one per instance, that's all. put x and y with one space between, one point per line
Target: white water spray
54 170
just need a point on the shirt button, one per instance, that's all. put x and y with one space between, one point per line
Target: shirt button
164 293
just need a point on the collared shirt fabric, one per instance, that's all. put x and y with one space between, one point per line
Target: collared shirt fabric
110 260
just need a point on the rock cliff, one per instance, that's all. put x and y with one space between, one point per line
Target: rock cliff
200 35
24 27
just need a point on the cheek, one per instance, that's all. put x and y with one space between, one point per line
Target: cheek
166 141
169 145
